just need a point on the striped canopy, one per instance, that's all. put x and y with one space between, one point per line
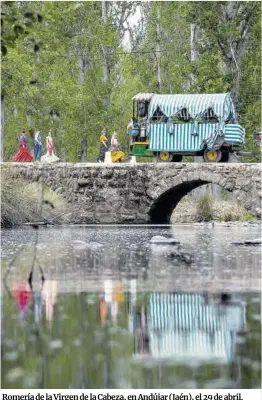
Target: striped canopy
196 104
184 325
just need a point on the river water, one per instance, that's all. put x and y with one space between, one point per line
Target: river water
101 307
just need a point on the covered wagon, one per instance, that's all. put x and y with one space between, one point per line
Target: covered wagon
172 126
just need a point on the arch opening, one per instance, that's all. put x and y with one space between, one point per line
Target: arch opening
161 210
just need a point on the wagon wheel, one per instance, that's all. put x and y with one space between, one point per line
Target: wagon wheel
212 156
164 156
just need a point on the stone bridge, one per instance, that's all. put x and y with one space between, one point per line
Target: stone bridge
140 193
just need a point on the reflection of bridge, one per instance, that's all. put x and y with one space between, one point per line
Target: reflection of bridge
181 326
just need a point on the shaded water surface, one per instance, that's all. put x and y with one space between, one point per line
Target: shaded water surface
87 307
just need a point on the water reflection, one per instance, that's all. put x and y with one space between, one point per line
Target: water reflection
50 291
25 296
22 294
120 326
110 300
184 325
204 259
126 315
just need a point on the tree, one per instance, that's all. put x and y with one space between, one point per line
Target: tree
70 70
16 22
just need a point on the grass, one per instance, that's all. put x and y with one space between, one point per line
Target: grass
22 201
204 208
235 212
247 217
207 209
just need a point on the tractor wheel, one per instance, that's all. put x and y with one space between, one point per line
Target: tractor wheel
212 156
164 156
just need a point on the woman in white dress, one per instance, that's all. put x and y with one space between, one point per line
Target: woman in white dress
50 155
116 154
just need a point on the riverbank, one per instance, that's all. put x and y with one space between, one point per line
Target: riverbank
205 210
26 202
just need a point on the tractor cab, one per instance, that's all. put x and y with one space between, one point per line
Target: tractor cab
138 127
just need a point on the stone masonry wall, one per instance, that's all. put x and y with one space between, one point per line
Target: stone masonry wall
124 193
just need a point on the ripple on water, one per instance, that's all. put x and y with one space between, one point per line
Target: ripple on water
14 374
77 342
62 316
220 384
255 300
55 344
30 381
9 342
256 317
98 358
256 365
240 340
11 356
190 384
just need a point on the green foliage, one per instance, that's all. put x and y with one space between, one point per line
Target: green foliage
188 159
247 217
65 68
236 213
18 21
223 194
204 208
228 216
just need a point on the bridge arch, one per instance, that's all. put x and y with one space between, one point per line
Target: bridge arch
167 195
163 207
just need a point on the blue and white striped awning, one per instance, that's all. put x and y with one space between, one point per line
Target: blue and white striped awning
189 311
184 140
183 325
196 104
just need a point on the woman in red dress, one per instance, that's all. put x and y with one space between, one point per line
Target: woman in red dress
22 294
23 154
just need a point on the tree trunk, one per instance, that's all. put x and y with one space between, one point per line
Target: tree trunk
234 48
83 150
81 68
83 62
193 42
105 61
63 138
30 124
193 54
2 128
158 56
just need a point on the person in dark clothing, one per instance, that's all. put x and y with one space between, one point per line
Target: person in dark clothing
103 146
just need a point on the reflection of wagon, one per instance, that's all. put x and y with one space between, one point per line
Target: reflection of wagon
170 126
184 326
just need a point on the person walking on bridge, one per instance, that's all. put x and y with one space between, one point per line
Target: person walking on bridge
50 155
23 154
38 146
116 154
103 146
